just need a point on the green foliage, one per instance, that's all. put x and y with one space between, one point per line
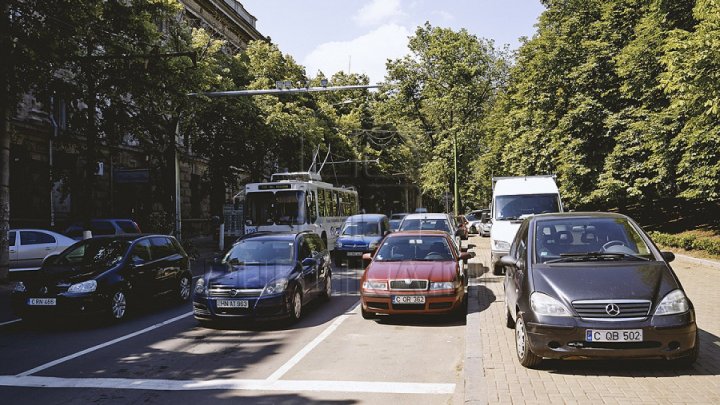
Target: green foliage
688 241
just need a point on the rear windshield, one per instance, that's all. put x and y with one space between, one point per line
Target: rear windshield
415 248
425 225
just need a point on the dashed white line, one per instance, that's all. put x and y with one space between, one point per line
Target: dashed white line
10 322
103 345
310 346
229 384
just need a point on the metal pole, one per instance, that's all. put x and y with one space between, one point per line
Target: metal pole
456 192
178 221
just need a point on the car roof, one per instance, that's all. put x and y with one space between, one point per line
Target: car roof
365 217
273 235
427 215
560 215
418 233
129 236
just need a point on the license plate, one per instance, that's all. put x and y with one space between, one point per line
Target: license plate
354 253
41 301
408 299
232 303
620 335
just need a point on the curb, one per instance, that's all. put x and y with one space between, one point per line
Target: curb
708 262
474 389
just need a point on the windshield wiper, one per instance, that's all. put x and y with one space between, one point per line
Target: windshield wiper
583 256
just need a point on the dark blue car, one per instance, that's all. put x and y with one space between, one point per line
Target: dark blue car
265 275
360 234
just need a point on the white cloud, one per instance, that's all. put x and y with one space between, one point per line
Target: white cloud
444 15
377 12
367 53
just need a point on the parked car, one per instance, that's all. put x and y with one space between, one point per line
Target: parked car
432 221
105 274
102 227
395 220
360 234
593 285
30 247
265 275
414 272
485 224
476 220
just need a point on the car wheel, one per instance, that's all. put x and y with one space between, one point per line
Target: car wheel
118 305
526 357
327 291
295 306
183 291
366 314
473 229
690 359
509 321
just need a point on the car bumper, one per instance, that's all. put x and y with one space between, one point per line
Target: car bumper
435 303
66 305
669 337
270 307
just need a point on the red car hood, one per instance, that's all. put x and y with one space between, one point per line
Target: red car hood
420 270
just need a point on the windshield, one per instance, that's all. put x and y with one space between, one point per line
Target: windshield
254 252
419 248
425 225
279 208
509 207
100 253
360 228
588 239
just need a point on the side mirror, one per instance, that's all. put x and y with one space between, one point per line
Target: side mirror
367 256
309 262
508 261
668 256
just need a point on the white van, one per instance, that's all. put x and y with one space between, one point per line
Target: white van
515 198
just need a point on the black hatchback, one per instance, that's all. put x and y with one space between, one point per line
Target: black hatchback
104 275
593 285
265 275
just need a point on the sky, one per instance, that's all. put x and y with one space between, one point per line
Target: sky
359 36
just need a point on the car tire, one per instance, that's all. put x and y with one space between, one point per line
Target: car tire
184 290
473 229
522 346
367 314
509 321
690 359
295 306
118 305
327 291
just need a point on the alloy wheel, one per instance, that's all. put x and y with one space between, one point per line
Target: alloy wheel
118 305
184 290
297 305
520 338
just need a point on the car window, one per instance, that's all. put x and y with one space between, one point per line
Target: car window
127 226
100 252
102 228
141 251
424 225
161 248
11 238
305 250
416 248
260 252
35 238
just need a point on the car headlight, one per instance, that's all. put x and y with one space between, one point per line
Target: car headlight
338 244
276 286
84 287
443 285
501 245
200 286
545 305
375 285
19 287
675 302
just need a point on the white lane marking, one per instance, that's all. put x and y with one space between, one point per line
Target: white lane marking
103 345
10 322
305 350
229 384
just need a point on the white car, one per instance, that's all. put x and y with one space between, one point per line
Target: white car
30 247
431 222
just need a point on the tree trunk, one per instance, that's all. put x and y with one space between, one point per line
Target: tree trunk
5 114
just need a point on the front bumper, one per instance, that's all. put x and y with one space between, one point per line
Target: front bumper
66 305
440 302
264 307
664 337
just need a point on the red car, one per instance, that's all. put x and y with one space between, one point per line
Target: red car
414 272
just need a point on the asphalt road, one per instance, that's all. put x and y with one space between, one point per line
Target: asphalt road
161 355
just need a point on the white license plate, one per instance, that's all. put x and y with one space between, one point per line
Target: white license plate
232 304
619 335
408 299
41 301
354 253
